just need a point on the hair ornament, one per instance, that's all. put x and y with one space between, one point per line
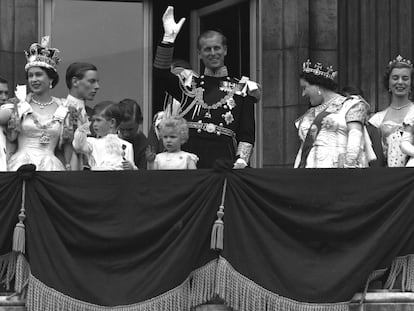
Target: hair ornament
319 70
400 60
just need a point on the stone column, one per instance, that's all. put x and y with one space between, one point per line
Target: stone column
19 28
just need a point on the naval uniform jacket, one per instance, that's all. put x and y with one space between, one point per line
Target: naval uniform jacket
219 121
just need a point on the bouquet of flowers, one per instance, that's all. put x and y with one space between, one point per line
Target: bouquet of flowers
71 123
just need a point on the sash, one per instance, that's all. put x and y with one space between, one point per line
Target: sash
310 137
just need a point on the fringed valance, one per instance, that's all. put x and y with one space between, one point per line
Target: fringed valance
268 239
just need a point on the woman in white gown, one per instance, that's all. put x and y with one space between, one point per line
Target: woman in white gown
332 131
39 119
396 121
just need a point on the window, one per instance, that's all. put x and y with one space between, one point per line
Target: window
108 34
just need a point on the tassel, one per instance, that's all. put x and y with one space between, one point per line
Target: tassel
217 233
19 239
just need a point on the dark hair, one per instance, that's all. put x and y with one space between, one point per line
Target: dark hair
351 90
77 70
130 110
51 73
3 80
211 33
387 74
313 79
109 110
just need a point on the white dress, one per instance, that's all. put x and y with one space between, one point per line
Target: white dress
105 153
330 143
38 138
180 160
391 134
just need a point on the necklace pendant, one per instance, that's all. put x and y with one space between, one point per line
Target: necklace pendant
207 115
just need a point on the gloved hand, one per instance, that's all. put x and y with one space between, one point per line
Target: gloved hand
239 164
171 28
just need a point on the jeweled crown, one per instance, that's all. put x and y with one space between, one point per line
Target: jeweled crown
319 70
401 60
42 55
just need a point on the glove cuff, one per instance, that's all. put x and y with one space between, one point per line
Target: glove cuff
244 151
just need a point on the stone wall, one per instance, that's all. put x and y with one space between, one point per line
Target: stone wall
293 31
18 24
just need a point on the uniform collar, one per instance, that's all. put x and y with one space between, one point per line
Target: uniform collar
220 73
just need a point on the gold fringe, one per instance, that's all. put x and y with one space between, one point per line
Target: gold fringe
402 266
7 268
242 294
199 286
22 274
215 279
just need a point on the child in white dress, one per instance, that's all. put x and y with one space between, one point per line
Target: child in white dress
106 151
174 133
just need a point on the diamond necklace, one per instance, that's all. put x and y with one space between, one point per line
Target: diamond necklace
42 105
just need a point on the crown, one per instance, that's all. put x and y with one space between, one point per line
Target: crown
42 55
401 60
319 70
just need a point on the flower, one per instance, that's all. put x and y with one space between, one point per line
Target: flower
228 117
231 103
329 123
74 116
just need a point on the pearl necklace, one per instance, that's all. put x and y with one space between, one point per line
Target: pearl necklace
42 105
402 107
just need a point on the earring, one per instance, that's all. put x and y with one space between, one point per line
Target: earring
50 85
319 92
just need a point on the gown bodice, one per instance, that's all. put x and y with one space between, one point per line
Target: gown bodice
38 139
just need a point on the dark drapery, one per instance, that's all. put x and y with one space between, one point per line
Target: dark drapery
117 238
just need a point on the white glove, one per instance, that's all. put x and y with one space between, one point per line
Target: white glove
171 28
239 164
353 148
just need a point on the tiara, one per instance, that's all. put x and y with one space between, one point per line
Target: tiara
401 60
42 55
319 70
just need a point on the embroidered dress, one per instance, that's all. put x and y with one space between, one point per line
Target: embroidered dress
391 133
38 138
329 147
174 160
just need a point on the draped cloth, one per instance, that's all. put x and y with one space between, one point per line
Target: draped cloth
297 239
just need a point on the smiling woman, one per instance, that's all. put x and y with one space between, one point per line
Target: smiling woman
38 121
399 116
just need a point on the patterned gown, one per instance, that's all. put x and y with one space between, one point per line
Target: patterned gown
391 134
329 148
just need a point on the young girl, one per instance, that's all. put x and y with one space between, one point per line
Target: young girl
107 151
174 133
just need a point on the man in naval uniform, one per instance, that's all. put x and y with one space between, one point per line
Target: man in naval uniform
219 109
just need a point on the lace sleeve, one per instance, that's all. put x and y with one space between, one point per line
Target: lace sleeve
357 113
